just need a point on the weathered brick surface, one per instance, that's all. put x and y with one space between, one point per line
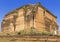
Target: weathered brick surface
21 23
30 38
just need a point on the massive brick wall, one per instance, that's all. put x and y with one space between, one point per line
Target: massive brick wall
39 20
16 20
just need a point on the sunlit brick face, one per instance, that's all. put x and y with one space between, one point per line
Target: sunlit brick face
29 16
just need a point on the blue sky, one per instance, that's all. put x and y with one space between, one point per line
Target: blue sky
9 5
